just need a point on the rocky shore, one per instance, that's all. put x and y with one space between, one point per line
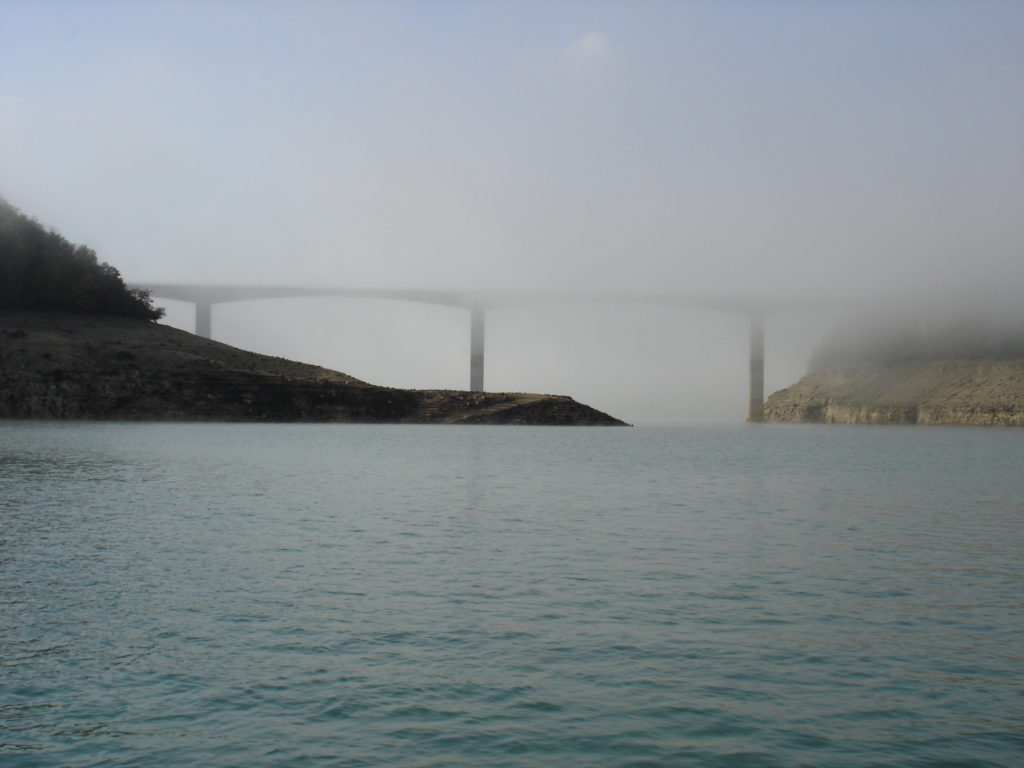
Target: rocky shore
62 366
970 392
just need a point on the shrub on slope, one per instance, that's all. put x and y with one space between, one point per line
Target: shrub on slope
40 270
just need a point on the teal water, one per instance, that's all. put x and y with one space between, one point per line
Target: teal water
349 595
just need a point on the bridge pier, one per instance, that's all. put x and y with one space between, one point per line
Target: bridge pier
204 319
476 349
755 414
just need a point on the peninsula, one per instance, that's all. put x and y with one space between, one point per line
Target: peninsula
64 366
77 343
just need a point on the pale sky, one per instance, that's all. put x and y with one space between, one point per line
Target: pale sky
748 148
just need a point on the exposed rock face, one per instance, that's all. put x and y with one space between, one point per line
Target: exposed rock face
55 366
974 392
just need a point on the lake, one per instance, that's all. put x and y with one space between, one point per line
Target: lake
363 595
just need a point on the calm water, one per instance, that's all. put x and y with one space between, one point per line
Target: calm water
338 595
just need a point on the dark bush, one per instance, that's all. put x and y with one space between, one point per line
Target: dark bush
40 270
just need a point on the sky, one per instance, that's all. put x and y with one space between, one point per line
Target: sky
825 149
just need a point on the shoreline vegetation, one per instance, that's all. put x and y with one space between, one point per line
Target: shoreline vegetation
42 271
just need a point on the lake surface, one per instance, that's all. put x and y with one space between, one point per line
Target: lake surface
353 595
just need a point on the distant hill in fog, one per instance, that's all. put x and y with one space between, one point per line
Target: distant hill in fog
904 336
913 368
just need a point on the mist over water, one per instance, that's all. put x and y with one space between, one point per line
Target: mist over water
838 150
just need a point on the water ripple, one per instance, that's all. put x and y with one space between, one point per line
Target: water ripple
178 595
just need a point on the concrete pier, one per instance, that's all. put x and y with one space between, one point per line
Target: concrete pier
755 413
476 350
204 319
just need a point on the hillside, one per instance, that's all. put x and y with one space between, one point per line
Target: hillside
986 392
72 366
954 361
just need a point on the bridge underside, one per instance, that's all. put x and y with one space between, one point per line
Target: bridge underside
477 327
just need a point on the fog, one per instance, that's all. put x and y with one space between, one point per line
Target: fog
839 151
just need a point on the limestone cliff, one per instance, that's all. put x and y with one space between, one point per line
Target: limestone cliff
970 392
60 366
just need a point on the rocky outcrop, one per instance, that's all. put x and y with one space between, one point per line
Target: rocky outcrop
970 392
59 366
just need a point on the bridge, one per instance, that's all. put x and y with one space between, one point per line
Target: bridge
478 303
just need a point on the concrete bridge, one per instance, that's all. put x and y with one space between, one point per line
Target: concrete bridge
479 302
